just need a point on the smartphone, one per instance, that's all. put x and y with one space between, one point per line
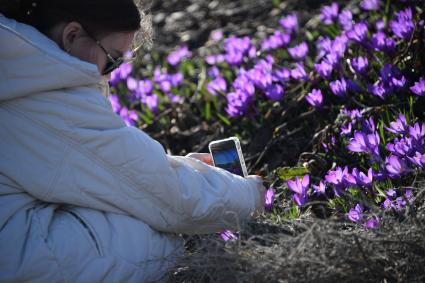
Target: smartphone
227 154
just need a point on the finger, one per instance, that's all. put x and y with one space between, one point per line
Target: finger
204 157
207 158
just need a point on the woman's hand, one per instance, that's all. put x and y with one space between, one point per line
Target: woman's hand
204 157
207 158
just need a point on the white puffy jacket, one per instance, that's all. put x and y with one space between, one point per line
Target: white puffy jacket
83 198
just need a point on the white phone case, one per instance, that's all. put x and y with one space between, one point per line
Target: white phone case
237 145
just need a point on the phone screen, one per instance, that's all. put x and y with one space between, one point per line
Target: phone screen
225 155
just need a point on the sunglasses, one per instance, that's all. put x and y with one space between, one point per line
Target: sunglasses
111 62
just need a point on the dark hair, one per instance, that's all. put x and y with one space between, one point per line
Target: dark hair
99 16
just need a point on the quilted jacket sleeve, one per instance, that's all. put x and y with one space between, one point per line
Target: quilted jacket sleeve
73 149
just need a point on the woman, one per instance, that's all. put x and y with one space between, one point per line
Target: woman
83 198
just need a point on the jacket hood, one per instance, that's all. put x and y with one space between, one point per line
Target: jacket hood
31 63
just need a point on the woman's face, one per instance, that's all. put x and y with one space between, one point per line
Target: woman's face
77 42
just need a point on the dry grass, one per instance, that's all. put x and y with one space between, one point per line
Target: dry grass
313 250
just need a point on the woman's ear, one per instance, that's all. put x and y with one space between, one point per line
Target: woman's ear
71 32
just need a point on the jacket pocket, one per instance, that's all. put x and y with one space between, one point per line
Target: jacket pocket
92 237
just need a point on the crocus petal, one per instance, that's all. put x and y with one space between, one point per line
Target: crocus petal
306 181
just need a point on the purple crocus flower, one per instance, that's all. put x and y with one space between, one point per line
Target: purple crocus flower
159 75
237 49
380 24
332 58
419 87
399 126
300 199
175 98
401 147
350 180
339 45
395 166
418 159
217 85
274 92
353 114
261 78
387 204
269 198
356 214
252 52
290 23
132 84
275 41
300 188
115 103
324 69
214 59
391 79
165 86
261 74
360 64
391 193
175 57
346 129
298 73
324 46
408 194
398 82
245 84
299 51
403 25
378 89
234 58
368 143
228 235
216 35
151 101
145 87
129 116
213 72
381 42
345 19
320 189
339 87
120 74
400 203
369 126
176 79
210 59
329 14
281 75
371 223
363 179
315 98
338 179
370 5
358 32
417 132
238 103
